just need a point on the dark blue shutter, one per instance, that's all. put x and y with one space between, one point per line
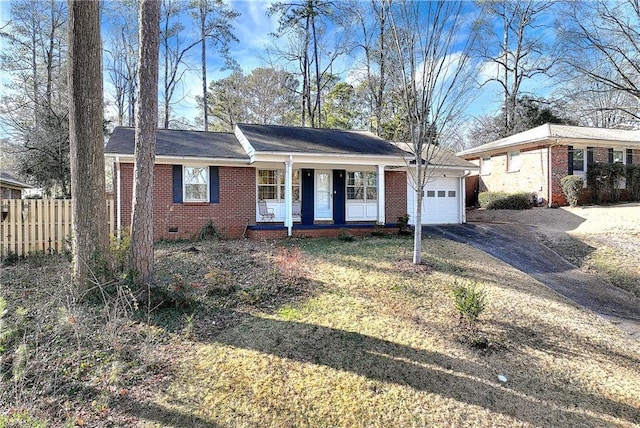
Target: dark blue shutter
589 155
570 159
629 156
610 155
214 185
177 184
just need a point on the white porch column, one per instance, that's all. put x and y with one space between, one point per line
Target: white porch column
288 195
381 191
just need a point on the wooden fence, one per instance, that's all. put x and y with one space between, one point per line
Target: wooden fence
38 225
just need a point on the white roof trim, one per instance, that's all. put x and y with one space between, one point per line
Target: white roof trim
561 132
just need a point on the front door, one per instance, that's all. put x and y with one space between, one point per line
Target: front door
323 205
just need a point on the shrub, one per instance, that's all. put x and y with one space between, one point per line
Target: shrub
208 231
571 187
633 182
468 300
506 201
403 224
604 181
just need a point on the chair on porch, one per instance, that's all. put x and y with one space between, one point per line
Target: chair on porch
265 211
296 209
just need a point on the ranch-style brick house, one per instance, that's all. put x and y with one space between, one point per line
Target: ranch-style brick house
268 181
536 160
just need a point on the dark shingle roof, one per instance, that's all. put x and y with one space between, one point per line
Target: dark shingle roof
291 139
8 178
173 142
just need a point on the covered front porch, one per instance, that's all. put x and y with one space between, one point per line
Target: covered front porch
318 197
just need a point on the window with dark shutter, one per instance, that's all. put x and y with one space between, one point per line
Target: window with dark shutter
177 184
214 185
629 157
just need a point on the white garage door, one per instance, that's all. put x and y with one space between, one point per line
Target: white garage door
441 203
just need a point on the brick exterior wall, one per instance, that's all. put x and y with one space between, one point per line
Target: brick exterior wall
237 206
395 195
533 174
531 177
559 169
317 233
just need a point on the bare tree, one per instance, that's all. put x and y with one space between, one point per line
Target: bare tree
305 22
121 59
90 228
436 77
174 47
517 52
374 26
214 20
602 44
34 105
141 252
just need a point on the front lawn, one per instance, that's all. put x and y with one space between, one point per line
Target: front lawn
317 333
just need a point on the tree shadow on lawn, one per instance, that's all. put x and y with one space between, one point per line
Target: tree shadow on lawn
542 340
461 380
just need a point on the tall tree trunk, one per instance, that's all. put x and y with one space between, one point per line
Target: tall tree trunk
205 100
90 230
145 144
318 83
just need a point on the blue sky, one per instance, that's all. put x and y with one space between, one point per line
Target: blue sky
253 28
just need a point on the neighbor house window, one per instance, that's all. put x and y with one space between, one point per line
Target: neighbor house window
618 156
196 184
362 186
271 184
578 159
513 162
486 165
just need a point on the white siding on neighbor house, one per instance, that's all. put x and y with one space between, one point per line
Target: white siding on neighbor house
441 203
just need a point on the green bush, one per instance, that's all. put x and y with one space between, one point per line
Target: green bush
571 187
604 181
506 201
633 182
468 300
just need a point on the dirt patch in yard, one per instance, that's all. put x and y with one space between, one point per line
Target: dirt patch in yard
604 240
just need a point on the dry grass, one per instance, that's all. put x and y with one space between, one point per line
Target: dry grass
350 334
379 345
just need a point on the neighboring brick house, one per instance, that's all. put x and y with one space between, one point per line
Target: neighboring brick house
536 160
11 187
265 181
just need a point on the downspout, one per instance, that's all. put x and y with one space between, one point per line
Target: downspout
463 196
118 201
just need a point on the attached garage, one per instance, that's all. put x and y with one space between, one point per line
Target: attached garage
443 201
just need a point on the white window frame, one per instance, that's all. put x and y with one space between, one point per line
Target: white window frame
366 186
486 165
280 185
623 156
185 183
513 161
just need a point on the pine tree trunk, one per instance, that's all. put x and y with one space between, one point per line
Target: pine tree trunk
141 255
90 228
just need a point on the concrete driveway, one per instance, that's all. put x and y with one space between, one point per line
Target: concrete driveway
518 246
